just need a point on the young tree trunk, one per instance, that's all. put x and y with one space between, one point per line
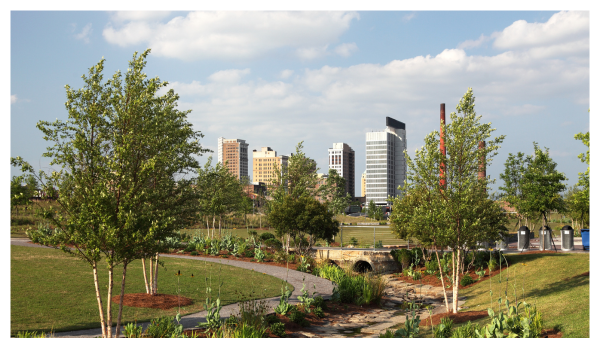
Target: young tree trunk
109 303
151 292
437 255
455 282
220 216
118 329
145 276
156 276
99 300
213 229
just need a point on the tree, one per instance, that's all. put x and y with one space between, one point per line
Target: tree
220 191
124 154
456 213
514 171
294 186
22 190
577 207
301 218
334 191
542 185
579 201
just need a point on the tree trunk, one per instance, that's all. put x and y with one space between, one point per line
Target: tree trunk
455 282
220 216
151 276
156 276
109 303
118 329
99 300
213 229
145 276
437 255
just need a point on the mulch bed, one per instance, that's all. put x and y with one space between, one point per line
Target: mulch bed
291 266
434 281
158 301
457 318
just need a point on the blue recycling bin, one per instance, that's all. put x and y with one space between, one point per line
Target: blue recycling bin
585 238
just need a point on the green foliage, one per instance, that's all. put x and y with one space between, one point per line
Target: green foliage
444 330
133 330
480 273
523 324
354 288
306 299
259 255
303 217
465 331
34 334
278 329
284 306
318 311
492 265
466 280
304 263
458 212
411 325
354 241
334 191
274 243
298 317
265 236
164 327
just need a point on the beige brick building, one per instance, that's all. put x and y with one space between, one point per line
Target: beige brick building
363 184
235 153
262 164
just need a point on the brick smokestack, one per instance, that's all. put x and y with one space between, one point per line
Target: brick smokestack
442 143
481 173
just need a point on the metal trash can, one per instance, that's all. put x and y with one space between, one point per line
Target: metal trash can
585 238
483 245
566 236
523 238
502 244
545 238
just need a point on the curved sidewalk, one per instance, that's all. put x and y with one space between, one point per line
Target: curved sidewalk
324 288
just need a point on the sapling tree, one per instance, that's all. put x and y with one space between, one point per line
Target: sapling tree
123 155
334 191
451 209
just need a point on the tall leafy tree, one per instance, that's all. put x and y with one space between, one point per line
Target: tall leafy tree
294 190
457 213
513 176
22 190
579 201
334 191
542 185
124 154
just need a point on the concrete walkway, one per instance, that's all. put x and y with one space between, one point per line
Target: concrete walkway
324 288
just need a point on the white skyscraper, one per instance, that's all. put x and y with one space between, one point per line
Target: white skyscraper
341 158
386 165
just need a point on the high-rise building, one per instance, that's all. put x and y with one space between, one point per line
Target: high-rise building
363 184
386 165
341 158
262 164
235 153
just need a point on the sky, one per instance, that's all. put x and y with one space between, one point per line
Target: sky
277 78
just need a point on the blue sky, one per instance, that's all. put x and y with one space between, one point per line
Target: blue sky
277 78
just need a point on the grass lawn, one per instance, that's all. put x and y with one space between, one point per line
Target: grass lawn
551 281
53 290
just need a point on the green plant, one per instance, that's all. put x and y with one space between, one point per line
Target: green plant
480 273
304 264
319 302
378 244
466 280
214 248
278 329
444 330
213 309
133 330
405 258
305 299
284 306
194 253
465 331
492 265
271 319
274 243
411 326
280 256
298 317
33 334
353 241
259 255
163 327
318 311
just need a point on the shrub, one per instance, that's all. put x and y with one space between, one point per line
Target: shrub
432 265
405 258
319 302
278 329
298 317
249 253
466 280
318 311
259 255
194 253
272 319
280 256
133 330
163 327
190 247
465 331
444 330
274 243
353 241
266 236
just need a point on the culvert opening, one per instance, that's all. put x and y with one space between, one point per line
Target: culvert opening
362 267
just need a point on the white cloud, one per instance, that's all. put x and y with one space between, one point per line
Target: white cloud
525 109
231 35
13 99
84 35
346 49
561 28
138 15
408 17
230 76
286 73
474 43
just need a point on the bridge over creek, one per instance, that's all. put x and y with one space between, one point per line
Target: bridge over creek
377 260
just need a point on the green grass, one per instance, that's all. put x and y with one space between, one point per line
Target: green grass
53 290
550 281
